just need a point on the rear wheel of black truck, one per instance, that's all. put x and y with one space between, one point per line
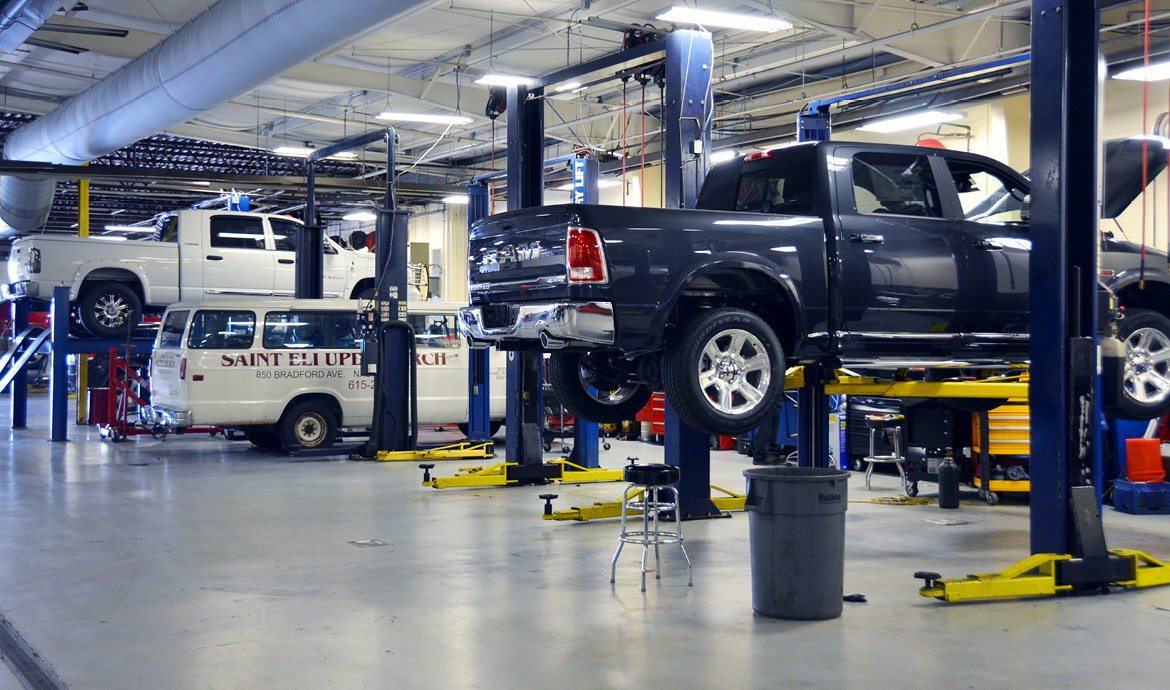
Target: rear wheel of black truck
587 390
724 372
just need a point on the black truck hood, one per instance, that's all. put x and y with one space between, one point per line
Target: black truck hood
1123 171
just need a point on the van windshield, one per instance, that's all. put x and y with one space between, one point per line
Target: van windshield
301 330
222 329
171 333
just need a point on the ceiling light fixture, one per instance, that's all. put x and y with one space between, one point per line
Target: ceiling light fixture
292 150
137 229
502 80
455 199
1159 71
360 216
568 86
724 155
423 117
903 122
726 20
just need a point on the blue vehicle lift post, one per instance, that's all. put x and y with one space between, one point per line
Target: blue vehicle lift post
18 388
585 191
478 374
687 135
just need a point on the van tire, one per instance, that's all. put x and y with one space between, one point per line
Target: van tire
262 436
308 424
109 310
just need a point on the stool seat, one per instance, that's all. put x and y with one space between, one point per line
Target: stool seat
651 474
884 421
651 494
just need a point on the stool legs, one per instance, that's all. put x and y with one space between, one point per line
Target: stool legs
651 504
895 457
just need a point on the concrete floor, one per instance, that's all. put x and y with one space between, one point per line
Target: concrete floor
202 563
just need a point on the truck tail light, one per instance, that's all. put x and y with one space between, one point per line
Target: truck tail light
183 369
586 256
34 260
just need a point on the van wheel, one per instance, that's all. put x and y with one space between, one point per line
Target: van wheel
308 425
109 310
724 372
262 436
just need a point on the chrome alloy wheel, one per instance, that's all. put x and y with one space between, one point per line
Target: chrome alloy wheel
734 371
111 310
596 386
1147 365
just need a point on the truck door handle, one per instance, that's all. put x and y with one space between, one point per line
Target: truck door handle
862 238
214 257
285 261
990 245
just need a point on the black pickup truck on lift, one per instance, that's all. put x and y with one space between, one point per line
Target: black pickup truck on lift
851 254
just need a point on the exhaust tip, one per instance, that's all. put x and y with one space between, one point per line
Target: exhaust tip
551 343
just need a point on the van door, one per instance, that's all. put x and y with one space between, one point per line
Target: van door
236 258
441 358
284 235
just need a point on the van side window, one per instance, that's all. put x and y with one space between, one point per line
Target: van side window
895 183
172 329
237 232
309 330
433 331
222 329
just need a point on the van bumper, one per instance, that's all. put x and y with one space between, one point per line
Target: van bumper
161 416
564 322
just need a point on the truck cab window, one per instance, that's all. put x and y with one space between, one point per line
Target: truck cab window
237 232
895 183
222 329
985 196
789 192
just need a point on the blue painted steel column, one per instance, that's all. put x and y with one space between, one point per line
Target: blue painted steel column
18 389
1064 436
478 372
812 420
525 189
687 133
585 191
59 378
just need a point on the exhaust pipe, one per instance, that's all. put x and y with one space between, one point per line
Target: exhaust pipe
550 343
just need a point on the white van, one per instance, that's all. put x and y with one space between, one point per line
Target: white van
286 372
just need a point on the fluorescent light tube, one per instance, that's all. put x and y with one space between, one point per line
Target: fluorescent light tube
726 20
724 155
360 216
292 151
423 117
568 86
502 80
455 199
903 122
1159 71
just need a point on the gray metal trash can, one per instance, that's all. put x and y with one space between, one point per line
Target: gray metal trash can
797 525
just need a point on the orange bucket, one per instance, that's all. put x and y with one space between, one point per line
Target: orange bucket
1143 460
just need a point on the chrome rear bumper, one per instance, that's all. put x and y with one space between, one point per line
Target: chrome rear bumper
554 325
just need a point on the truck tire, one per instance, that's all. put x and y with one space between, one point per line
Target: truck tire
493 428
308 424
724 371
574 374
109 310
1146 388
262 435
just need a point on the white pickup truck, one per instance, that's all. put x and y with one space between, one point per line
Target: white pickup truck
193 256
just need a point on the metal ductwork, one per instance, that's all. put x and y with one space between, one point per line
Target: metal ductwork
232 48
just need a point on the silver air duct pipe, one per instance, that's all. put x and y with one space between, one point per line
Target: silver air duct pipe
232 48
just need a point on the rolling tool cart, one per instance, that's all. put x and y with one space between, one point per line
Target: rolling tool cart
1003 433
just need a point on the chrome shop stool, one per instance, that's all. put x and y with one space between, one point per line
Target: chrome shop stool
657 495
891 426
